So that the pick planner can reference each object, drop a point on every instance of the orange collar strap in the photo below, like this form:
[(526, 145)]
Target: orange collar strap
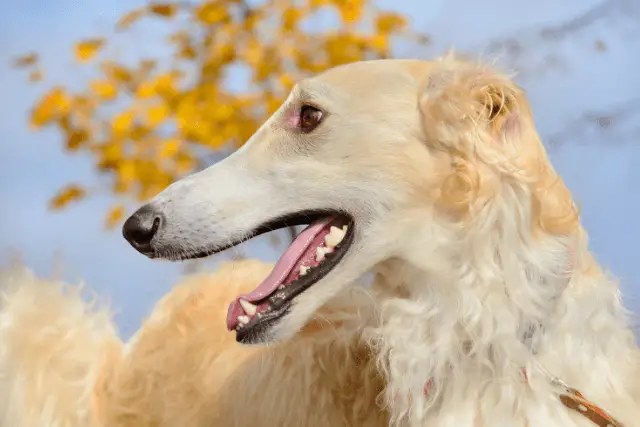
[(574, 400)]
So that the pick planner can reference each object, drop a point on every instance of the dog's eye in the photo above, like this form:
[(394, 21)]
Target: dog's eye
[(310, 118)]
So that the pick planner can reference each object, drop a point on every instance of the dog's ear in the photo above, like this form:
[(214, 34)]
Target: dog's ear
[(483, 120)]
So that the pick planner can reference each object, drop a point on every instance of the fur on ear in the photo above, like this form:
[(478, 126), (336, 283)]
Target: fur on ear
[(483, 121)]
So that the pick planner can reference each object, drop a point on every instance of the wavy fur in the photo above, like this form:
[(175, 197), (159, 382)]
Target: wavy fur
[(62, 365), (481, 268)]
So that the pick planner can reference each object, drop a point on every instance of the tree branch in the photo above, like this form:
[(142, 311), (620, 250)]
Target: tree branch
[(617, 124)]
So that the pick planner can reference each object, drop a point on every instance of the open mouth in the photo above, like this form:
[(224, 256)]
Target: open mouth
[(313, 253)]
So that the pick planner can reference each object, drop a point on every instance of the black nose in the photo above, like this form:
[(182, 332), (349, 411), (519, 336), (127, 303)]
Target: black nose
[(140, 228)]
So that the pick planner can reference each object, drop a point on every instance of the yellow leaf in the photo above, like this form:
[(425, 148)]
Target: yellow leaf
[(35, 76), (157, 114), (110, 155), (253, 52), (166, 10), (146, 89), (66, 195), (121, 123), (170, 147), (140, 132), (104, 89), (112, 151), (287, 81), (114, 215), (163, 84), (351, 10), (290, 18), (127, 172), (212, 13), (87, 49), (116, 72), (380, 42), (223, 112), (389, 22), (25, 60), (130, 18), (251, 20), (53, 104), (184, 163), (76, 138), (319, 3), (187, 52), (273, 103)]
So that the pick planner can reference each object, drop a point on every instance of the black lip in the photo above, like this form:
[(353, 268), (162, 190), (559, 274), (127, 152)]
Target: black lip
[(280, 302), (255, 332), (277, 223)]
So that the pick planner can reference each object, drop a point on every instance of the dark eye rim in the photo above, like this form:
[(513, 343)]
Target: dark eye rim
[(320, 120)]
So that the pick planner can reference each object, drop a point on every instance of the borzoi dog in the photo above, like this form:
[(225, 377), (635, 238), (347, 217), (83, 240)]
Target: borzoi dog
[(489, 308), (432, 173)]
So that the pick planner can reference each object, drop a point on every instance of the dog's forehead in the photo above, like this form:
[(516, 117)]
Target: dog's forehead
[(365, 77)]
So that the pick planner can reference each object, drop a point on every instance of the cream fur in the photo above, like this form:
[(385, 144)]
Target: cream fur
[(481, 268), (62, 366)]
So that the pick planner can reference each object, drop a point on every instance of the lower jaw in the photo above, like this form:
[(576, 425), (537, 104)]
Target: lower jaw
[(259, 332), (278, 305)]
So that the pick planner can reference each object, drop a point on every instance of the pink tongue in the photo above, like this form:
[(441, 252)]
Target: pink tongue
[(280, 272)]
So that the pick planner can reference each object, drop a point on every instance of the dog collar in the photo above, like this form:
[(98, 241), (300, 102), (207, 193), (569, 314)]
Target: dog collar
[(572, 399), (569, 396)]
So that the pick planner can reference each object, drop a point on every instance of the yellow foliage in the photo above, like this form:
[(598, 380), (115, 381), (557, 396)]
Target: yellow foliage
[(121, 123), (168, 121), (69, 194), (185, 163), (253, 52), (390, 22), (290, 18), (380, 42), (162, 85), (130, 18), (146, 89), (54, 103), (166, 10), (103, 89), (170, 147), (35, 76), (157, 114), (319, 3), (351, 10), (117, 73), (287, 81), (127, 172), (212, 12), (114, 215), (87, 49), (76, 138), (26, 60)]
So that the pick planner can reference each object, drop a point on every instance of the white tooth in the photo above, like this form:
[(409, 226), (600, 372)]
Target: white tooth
[(321, 251), (303, 270), (281, 287), (248, 308), (334, 237), (243, 320)]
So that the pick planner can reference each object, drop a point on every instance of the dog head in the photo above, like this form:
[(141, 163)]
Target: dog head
[(384, 159)]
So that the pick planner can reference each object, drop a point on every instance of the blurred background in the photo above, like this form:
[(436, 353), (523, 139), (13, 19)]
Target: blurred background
[(106, 103)]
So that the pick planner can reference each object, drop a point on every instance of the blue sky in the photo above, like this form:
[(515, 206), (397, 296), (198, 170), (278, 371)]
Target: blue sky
[(568, 82)]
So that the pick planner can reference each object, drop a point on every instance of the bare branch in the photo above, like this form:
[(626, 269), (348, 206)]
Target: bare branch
[(619, 124), (534, 50)]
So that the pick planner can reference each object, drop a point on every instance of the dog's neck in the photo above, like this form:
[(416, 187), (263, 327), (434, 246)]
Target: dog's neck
[(479, 314)]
